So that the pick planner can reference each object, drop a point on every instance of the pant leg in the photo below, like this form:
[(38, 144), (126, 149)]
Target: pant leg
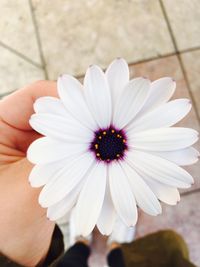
[(76, 256), (165, 248), (115, 258)]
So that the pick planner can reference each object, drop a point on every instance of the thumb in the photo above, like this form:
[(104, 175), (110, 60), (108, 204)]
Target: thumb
[(17, 108)]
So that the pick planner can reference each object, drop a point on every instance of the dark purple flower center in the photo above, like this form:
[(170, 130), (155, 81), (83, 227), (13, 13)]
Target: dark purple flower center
[(109, 144)]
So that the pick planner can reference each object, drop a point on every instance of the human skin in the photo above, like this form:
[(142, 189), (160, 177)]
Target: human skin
[(25, 232)]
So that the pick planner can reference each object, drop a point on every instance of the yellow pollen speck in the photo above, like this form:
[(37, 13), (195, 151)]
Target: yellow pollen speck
[(124, 140), (118, 155), (112, 131), (96, 146), (100, 137), (104, 133), (98, 155)]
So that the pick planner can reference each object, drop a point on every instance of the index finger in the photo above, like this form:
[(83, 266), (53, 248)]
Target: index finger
[(16, 108)]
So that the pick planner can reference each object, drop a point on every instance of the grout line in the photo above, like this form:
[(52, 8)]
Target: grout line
[(80, 76), (194, 191), (20, 55), (163, 56), (189, 87), (178, 53), (38, 39), (168, 25), (151, 59), (192, 49)]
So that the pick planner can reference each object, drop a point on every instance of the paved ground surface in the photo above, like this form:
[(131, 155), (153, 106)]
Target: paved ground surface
[(42, 39)]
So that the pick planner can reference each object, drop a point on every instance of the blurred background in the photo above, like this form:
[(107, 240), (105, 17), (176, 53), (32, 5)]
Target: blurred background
[(41, 39)]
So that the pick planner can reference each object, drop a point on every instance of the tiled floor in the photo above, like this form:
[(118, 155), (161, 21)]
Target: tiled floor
[(42, 39)]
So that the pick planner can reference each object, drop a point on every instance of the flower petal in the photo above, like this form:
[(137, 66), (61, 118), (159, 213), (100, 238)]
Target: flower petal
[(90, 200), (117, 75), (160, 92), (163, 139), (61, 208), (65, 180), (98, 96), (131, 101), (159, 169), (70, 91), (122, 197), (49, 104), (108, 214), (166, 194), (45, 150), (165, 115), (43, 173), (144, 196), (61, 128), (182, 157)]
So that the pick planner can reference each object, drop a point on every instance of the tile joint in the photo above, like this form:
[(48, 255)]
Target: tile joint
[(190, 192), (178, 53), (20, 55), (38, 39)]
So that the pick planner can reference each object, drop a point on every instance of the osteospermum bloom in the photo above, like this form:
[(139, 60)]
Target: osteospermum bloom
[(109, 147)]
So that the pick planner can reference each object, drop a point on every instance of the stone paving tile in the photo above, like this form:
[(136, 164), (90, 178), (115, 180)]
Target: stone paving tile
[(17, 29), (191, 61), (75, 34), (15, 72), (98, 255), (169, 66), (183, 218), (184, 19)]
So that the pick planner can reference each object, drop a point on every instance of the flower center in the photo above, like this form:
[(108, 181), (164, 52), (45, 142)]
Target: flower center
[(109, 144)]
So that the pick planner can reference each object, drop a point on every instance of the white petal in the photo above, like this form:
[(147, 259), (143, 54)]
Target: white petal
[(70, 91), (90, 200), (65, 180), (108, 214), (122, 233), (182, 157), (61, 128), (61, 208), (160, 92), (98, 96), (123, 199), (163, 139), (49, 104), (165, 115), (165, 193), (43, 173), (159, 169), (144, 196), (130, 101), (62, 223), (45, 150), (117, 75)]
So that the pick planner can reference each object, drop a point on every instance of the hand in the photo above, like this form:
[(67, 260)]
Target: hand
[(25, 232)]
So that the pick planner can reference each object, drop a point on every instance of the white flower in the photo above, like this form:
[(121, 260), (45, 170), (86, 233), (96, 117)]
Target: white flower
[(109, 147)]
